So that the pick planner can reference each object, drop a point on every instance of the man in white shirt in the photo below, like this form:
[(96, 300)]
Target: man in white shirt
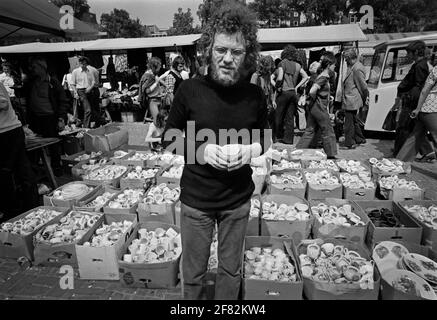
[(7, 80), (85, 83)]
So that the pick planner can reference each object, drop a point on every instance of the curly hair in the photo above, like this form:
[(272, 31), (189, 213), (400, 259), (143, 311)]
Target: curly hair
[(232, 17), (290, 53), (328, 59), (266, 65), (154, 64)]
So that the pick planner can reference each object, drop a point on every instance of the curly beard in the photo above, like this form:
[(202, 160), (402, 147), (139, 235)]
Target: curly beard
[(237, 76)]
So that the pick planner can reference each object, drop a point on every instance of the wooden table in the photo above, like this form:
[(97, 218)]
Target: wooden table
[(39, 144)]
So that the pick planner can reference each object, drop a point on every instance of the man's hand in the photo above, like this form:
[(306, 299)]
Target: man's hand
[(414, 113), (245, 155), (215, 157), (61, 124), (75, 95)]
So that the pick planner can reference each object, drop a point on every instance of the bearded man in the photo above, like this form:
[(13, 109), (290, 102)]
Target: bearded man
[(216, 186)]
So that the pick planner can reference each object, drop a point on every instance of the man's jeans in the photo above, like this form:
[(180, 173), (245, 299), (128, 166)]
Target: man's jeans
[(284, 116), (197, 231), (90, 104)]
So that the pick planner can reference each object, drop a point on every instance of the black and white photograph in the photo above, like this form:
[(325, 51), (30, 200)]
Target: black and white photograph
[(242, 151)]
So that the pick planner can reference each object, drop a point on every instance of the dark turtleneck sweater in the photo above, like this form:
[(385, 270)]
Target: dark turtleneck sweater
[(214, 107)]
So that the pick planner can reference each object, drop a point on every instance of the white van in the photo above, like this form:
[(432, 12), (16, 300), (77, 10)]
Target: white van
[(389, 66)]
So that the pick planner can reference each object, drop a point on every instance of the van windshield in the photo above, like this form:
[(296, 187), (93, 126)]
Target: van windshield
[(375, 70)]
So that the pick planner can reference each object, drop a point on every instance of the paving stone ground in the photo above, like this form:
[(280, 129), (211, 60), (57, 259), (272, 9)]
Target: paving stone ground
[(42, 283)]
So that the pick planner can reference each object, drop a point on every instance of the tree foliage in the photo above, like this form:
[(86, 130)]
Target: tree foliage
[(79, 6), (118, 24), (182, 23)]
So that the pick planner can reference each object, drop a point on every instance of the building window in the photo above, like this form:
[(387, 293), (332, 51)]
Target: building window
[(296, 14)]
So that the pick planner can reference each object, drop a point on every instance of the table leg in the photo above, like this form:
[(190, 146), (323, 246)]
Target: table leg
[(48, 168)]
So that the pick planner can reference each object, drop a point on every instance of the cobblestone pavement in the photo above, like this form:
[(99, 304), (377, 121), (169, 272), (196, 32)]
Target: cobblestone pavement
[(43, 282)]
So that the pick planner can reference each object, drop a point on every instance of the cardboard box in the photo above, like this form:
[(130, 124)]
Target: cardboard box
[(378, 173), (177, 213), (51, 202), (71, 144), (412, 232), (164, 212), (59, 254), (308, 154), (296, 230), (167, 180), (315, 290), (131, 211), (358, 194), (137, 183), (77, 171), (387, 290), (288, 190), (352, 233), (398, 194), (272, 290), (113, 182), (81, 206), (429, 235), (106, 138), (101, 263), (316, 192), (14, 245), (148, 275)]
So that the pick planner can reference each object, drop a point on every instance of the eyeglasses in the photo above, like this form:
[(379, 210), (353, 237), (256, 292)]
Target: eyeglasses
[(236, 53)]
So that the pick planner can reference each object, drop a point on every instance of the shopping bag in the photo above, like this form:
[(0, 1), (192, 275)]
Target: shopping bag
[(390, 121)]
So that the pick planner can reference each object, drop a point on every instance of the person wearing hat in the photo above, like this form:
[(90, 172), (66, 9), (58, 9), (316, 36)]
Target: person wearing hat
[(409, 89), (85, 82), (355, 97), (47, 106)]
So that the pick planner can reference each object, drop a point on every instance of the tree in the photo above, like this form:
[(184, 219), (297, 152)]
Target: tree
[(206, 9), (118, 24), (182, 23), (79, 6)]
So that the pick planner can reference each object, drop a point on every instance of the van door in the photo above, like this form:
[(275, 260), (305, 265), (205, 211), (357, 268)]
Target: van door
[(383, 83)]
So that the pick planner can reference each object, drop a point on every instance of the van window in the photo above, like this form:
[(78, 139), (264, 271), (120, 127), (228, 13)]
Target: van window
[(375, 70), (396, 66)]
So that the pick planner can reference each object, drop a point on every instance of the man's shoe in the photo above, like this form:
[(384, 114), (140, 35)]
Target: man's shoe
[(332, 158), (348, 148), (362, 142)]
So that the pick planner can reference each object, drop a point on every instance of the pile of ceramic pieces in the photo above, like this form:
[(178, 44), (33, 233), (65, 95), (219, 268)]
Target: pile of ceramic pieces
[(288, 179), (168, 157), (72, 191), (155, 246), (336, 264), (127, 199), (70, 228), (285, 164), (268, 264), (107, 235), (119, 154), (173, 172), (106, 173), (361, 180), (213, 255), (100, 200), (30, 222), (338, 215), (393, 182), (276, 212), (138, 156), (424, 214), (86, 156), (140, 173), (162, 194), (351, 166), (283, 154), (178, 160), (323, 164), (323, 178), (255, 206), (386, 165), (299, 153), (92, 165)]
